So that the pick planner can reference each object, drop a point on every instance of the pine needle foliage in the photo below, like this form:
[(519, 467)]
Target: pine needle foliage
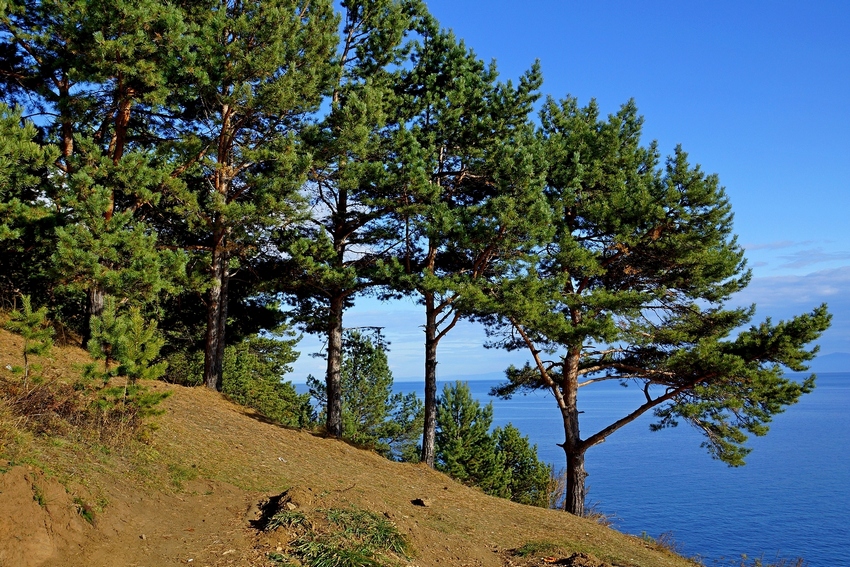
[(632, 286), (36, 331), (501, 463)]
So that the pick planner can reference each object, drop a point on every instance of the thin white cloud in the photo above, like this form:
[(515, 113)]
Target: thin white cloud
[(783, 297), (812, 256), (776, 245)]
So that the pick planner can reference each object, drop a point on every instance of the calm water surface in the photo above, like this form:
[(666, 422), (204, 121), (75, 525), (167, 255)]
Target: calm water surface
[(792, 498)]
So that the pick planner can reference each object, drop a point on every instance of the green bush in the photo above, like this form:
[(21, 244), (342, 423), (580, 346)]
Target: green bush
[(372, 416), (502, 463), (529, 480), (465, 449), (252, 377)]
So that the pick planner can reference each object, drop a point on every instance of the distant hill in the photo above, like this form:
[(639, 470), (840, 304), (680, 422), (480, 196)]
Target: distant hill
[(833, 362)]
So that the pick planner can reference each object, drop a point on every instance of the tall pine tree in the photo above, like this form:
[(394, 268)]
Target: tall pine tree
[(262, 68), (469, 187), (347, 233)]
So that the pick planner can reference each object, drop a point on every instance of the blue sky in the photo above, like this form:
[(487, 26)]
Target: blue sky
[(757, 92)]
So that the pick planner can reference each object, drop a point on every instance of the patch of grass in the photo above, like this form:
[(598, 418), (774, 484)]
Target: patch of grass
[(180, 474), (279, 559), (372, 529), (536, 548), (287, 519), (347, 537), (84, 510), (38, 495), (334, 552)]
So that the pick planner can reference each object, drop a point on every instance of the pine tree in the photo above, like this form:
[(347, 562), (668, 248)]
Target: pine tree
[(26, 221), (631, 287), (372, 415), (253, 376), (469, 190), (96, 72), (261, 69), (465, 450), (36, 331), (127, 344), (346, 235), (529, 477)]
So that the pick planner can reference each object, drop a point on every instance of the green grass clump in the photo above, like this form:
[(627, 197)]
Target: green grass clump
[(351, 537), (287, 519), (334, 552), (84, 510), (536, 548), (374, 530), (38, 495)]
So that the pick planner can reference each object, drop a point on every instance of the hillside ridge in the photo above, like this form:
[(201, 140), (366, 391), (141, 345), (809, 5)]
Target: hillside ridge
[(190, 492)]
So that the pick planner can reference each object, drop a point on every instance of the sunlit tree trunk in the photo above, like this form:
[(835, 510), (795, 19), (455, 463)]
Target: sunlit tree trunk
[(430, 428), (332, 379)]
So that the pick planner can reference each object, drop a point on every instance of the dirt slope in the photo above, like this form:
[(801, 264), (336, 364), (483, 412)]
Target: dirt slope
[(189, 495)]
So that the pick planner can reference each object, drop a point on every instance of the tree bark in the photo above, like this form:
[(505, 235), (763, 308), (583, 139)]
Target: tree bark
[(573, 446), (576, 490), (333, 424), (430, 428), (95, 309), (216, 316)]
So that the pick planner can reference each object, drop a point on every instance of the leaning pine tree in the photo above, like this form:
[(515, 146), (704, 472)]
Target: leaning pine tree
[(632, 288)]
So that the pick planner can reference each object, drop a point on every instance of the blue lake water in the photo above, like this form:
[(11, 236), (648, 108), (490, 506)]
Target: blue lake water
[(792, 499)]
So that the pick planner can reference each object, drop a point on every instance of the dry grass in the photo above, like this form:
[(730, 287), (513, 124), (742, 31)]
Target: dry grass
[(209, 459)]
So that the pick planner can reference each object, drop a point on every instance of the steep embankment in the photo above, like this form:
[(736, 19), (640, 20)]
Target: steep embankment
[(189, 495)]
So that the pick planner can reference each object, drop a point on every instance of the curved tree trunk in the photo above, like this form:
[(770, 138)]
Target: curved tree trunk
[(430, 429), (573, 446)]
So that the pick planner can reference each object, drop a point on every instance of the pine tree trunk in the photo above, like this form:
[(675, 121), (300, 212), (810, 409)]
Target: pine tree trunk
[(576, 490), (216, 317), (573, 446), (95, 310), (430, 429), (333, 425)]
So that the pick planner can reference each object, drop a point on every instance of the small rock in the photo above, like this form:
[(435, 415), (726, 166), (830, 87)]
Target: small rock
[(143, 537), (290, 506)]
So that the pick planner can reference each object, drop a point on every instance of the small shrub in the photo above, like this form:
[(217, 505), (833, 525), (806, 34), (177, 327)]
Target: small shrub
[(36, 331)]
